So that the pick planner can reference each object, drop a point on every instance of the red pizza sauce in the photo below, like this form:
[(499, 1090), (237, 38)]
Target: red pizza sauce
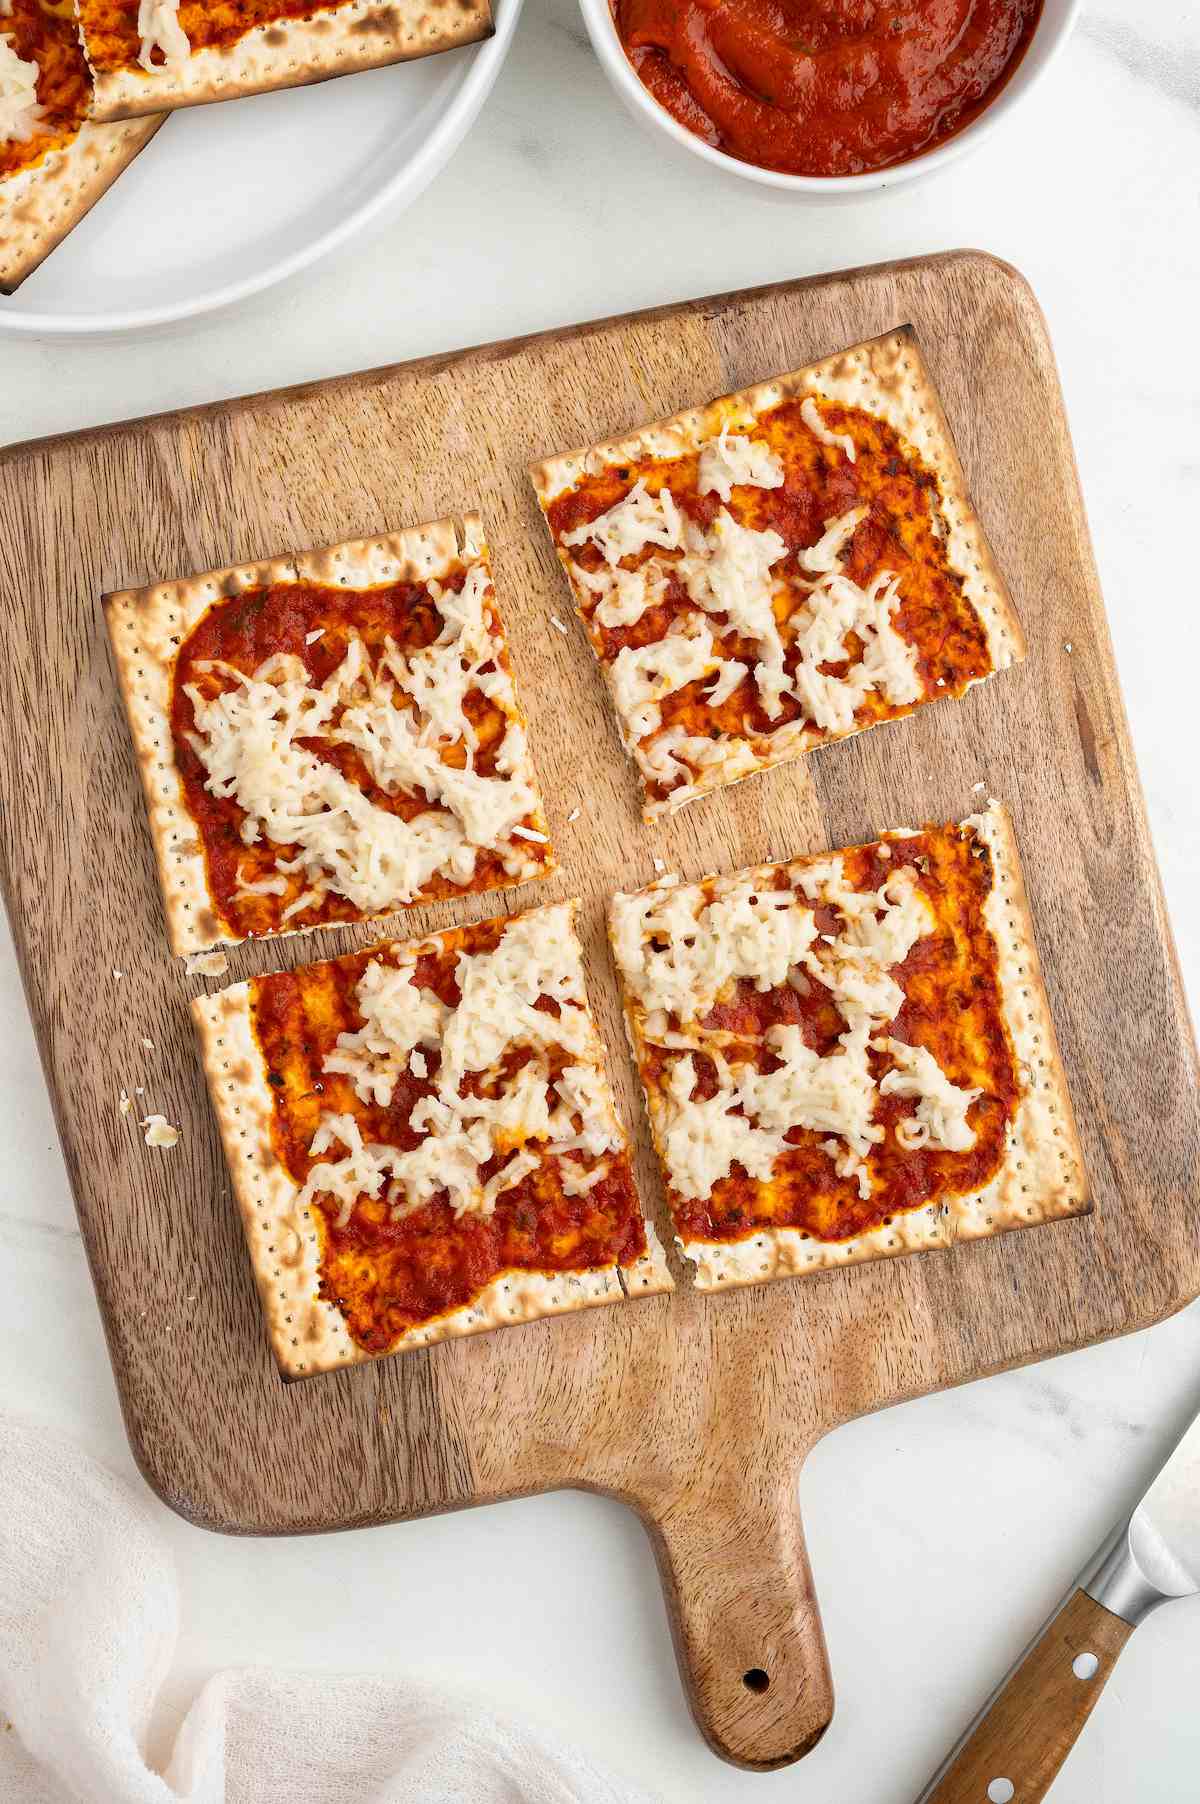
[(389, 1276), (244, 632), (45, 36), (825, 87), (952, 1007)]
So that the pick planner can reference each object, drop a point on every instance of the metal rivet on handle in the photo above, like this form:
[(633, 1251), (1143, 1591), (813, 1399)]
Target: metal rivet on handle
[(1000, 1791), (1084, 1666)]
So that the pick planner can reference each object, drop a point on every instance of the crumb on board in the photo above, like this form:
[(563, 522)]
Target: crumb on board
[(117, 974), (660, 865), (1068, 646), (206, 964), (556, 622), (126, 1102), (148, 1044), (159, 1131), (976, 787), (574, 815)]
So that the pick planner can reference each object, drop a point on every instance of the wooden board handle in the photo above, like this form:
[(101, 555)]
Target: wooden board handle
[(1032, 1724), (747, 1629)]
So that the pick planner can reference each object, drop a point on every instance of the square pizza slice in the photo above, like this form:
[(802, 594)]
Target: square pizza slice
[(783, 567), (423, 1142), (850, 1055), (149, 55), (328, 737), (55, 161)]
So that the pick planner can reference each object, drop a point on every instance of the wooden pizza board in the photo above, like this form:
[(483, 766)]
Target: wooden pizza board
[(698, 1411)]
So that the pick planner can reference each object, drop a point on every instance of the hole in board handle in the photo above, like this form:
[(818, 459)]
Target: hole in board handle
[(756, 1679)]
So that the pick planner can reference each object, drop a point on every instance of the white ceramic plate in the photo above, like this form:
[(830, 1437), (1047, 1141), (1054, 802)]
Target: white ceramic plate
[(228, 200)]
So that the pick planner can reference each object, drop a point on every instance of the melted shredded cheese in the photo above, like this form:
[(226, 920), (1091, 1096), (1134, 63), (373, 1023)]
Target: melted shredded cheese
[(159, 29), (21, 113), (680, 952), (637, 520), (941, 1118), (727, 462), (399, 717), (502, 1111), (810, 414), (737, 577)]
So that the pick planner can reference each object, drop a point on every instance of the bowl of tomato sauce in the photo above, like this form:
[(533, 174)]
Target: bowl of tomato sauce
[(826, 96)]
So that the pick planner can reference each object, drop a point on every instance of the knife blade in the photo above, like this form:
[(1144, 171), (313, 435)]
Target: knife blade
[(1155, 1555), (1017, 1743)]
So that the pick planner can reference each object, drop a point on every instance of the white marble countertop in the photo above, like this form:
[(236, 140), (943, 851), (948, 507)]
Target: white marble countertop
[(942, 1532)]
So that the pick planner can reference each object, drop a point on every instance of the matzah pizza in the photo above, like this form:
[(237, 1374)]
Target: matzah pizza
[(149, 55), (55, 161), (781, 568), (328, 737), (423, 1142), (849, 1055)]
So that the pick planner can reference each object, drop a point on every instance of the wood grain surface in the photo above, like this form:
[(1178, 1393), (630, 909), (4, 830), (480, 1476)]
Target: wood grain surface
[(1034, 1722), (698, 1411)]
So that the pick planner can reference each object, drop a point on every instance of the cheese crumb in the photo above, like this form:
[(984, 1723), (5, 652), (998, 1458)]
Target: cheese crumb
[(148, 1044), (117, 973), (555, 621), (317, 633), (1068, 646), (976, 787), (206, 964), (159, 1131), (660, 865), (574, 815), (531, 833), (126, 1102)]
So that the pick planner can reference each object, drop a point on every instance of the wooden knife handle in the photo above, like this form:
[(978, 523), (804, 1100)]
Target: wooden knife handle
[(747, 1630), (1033, 1721)]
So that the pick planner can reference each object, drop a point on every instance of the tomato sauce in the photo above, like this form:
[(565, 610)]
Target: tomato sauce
[(48, 37), (952, 1007), (245, 631), (389, 1276), (903, 533), (825, 87)]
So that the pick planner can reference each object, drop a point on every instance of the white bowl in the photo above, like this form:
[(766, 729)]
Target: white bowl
[(1053, 29), (229, 200)]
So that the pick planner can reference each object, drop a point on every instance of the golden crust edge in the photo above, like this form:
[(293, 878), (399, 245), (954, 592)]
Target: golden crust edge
[(1046, 1134), (88, 166), (337, 41), (243, 1104), (143, 625)]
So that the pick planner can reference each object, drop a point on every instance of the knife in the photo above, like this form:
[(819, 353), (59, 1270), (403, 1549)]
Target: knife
[(1029, 1725)]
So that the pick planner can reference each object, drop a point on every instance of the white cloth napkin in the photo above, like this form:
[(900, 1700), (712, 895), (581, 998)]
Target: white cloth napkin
[(89, 1612)]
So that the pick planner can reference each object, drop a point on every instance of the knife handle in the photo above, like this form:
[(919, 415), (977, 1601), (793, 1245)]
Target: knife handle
[(1031, 1724)]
